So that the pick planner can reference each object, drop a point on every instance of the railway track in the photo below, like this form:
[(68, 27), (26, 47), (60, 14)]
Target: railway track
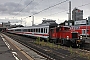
[(62, 53)]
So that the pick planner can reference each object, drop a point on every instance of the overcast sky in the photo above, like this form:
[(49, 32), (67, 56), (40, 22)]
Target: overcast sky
[(16, 9)]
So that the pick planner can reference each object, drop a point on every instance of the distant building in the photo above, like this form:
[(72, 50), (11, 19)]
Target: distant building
[(69, 23), (48, 21), (0, 25), (81, 22), (89, 20), (77, 14), (6, 24)]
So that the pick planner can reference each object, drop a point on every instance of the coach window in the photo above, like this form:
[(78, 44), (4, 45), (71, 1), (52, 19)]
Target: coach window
[(41, 30), (25, 30), (28, 30), (47, 30), (33, 30), (44, 30), (36, 30), (18, 30)]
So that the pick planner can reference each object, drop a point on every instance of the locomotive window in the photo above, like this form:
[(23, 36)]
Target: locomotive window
[(41, 30)]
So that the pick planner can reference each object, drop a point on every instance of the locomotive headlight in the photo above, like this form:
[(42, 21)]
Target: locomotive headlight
[(67, 37), (80, 37)]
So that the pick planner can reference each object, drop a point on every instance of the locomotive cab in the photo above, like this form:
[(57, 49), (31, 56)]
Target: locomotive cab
[(65, 36)]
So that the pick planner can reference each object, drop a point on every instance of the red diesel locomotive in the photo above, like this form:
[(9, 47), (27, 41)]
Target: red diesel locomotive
[(65, 36)]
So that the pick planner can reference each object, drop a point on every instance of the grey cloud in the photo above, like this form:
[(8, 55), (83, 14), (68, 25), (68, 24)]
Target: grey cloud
[(9, 7), (31, 2), (13, 8)]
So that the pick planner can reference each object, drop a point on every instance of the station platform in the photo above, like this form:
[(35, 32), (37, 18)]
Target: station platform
[(21, 50), (5, 53)]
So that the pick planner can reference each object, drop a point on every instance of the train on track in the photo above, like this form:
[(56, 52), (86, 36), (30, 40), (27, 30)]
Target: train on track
[(57, 34), (83, 30)]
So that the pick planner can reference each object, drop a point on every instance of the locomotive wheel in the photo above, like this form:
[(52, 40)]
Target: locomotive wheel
[(68, 43)]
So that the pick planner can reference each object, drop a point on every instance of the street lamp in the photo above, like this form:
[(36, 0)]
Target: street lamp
[(32, 20)]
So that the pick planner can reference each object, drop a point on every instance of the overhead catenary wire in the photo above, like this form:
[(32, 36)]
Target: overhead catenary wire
[(84, 5), (18, 4), (61, 11), (24, 7), (67, 10), (35, 5), (50, 7), (57, 12)]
